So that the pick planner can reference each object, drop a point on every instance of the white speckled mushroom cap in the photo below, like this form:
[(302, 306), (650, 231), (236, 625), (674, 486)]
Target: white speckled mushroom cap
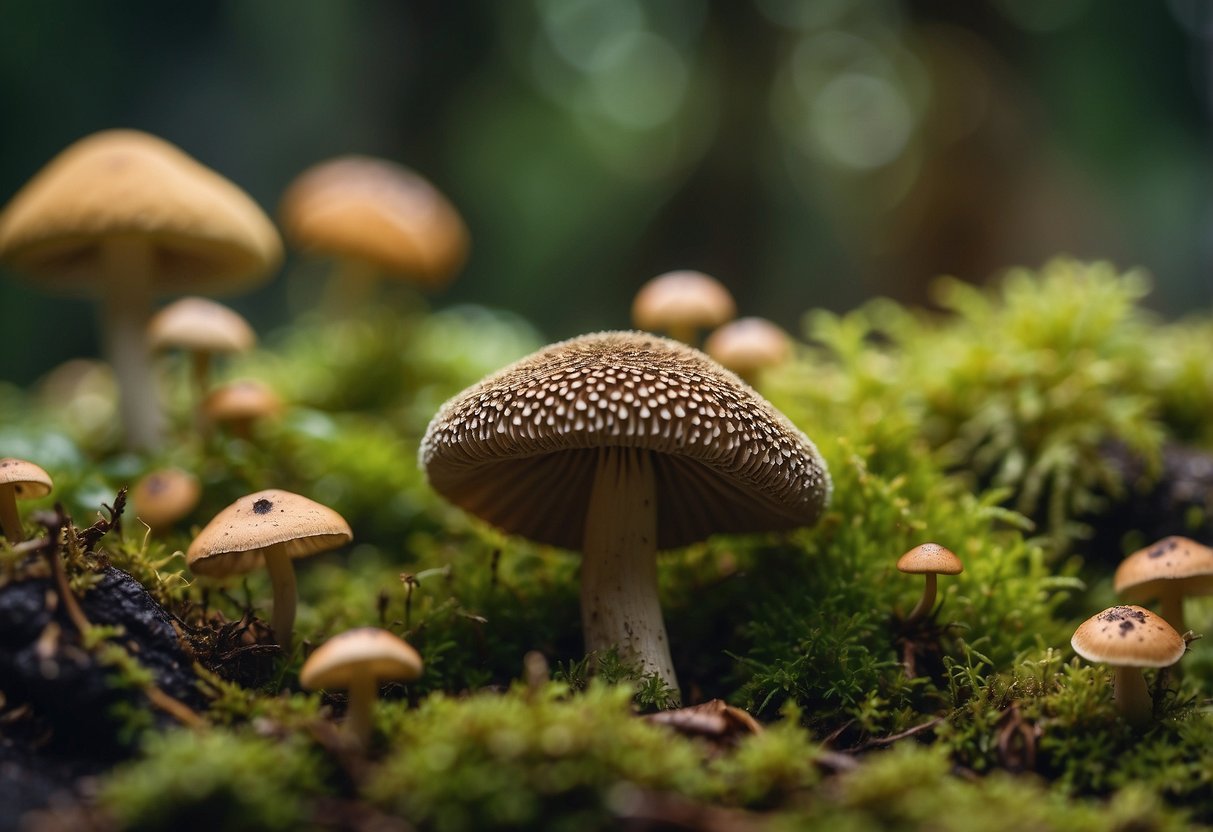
[(519, 449), (1176, 562), (930, 558), (1128, 636), (235, 541), (366, 650), (28, 481)]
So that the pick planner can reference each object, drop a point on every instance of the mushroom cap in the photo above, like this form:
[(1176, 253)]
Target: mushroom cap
[(930, 558), (1173, 563), (164, 496), (1128, 636), (682, 299), (207, 233), (366, 649), (28, 481), (234, 542), (747, 345), (239, 400), (200, 325), (520, 448), (376, 211)]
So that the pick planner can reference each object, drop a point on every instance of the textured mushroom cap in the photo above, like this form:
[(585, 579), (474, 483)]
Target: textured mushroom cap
[(682, 299), (163, 497), (200, 325), (235, 541), (1128, 637), (376, 211), (238, 400), (748, 345), (930, 558), (206, 232), (1173, 563), (28, 481), (367, 649), (520, 448)]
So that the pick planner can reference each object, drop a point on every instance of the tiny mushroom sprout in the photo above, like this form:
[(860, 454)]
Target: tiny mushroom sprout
[(1129, 638), (123, 216), (620, 444), (269, 528), (358, 661), (239, 405), (928, 560), (19, 480), (164, 496), (203, 328), (748, 346), (681, 303), (1170, 570)]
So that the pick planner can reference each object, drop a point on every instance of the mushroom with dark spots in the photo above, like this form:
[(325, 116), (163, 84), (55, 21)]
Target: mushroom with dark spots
[(1170, 570)]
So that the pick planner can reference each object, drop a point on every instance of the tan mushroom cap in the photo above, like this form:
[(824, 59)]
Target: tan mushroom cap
[(163, 497), (234, 542), (1173, 562), (682, 299), (748, 345), (28, 481), (520, 448), (930, 558), (379, 212), (207, 233), (365, 650), (1128, 636), (241, 400), (200, 325)]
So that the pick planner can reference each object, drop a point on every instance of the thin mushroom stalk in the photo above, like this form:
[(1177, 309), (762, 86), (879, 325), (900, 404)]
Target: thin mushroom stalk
[(620, 607), (362, 692), (282, 582), (10, 520), (927, 601), (1171, 608), (1131, 696), (125, 311)]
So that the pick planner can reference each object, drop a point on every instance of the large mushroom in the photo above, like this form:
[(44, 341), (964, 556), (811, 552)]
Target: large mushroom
[(1170, 570), (620, 444), (123, 216)]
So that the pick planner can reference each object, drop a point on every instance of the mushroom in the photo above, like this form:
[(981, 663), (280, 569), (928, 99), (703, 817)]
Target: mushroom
[(619, 444), (269, 528), (1170, 570), (202, 328), (239, 404), (163, 497), (358, 661), (928, 560), (1129, 638), (748, 346), (19, 480), (681, 303), (376, 217), (121, 216)]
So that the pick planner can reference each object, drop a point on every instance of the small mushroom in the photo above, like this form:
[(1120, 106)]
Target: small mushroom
[(239, 405), (681, 303), (748, 346), (269, 528), (203, 328), (928, 560), (19, 480), (1129, 638), (1170, 570), (163, 497), (358, 661)]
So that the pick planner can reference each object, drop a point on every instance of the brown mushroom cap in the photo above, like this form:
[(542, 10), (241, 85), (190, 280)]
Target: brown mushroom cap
[(1171, 563), (200, 325), (748, 345), (364, 650), (930, 558), (206, 232), (1128, 636), (379, 212), (163, 497), (682, 299), (28, 481), (234, 541), (519, 449), (240, 400)]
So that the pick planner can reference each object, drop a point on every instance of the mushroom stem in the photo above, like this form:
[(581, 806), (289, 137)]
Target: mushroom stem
[(361, 695), (126, 308), (282, 580), (1131, 696), (10, 520), (685, 333), (200, 375), (923, 607), (619, 603), (1172, 609)]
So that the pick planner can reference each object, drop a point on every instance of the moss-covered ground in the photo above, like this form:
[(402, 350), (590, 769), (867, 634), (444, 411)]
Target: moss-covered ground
[(996, 425)]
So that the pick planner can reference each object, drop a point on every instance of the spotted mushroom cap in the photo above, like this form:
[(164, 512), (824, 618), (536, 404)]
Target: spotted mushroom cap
[(1174, 562), (1128, 636), (164, 496), (28, 481), (519, 449), (201, 325), (682, 298), (235, 541), (366, 650), (930, 557)]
